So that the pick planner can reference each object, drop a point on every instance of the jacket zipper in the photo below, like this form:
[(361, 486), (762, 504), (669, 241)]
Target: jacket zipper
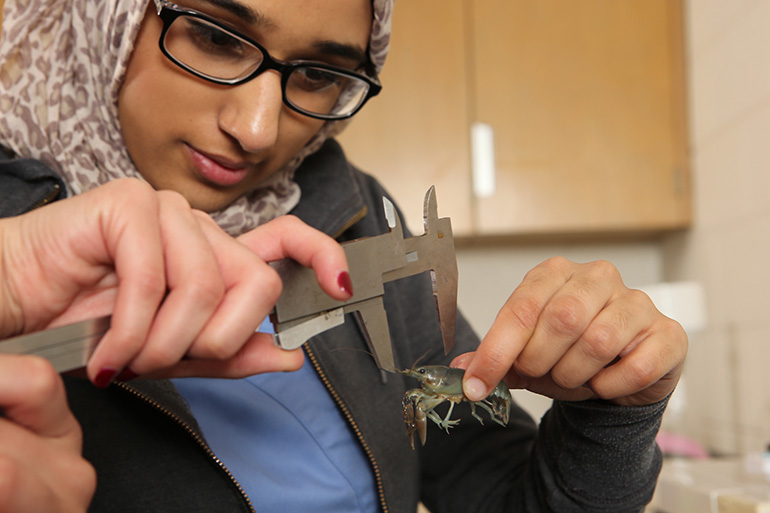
[(49, 198), (351, 221), (193, 434), (349, 417), (337, 399), (187, 428)]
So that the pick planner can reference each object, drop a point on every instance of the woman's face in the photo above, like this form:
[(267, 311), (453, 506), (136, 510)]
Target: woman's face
[(213, 143)]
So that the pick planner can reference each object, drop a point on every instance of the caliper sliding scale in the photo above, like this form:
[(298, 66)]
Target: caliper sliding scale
[(304, 310)]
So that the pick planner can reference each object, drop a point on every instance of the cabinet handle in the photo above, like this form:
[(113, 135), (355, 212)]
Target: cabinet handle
[(483, 160)]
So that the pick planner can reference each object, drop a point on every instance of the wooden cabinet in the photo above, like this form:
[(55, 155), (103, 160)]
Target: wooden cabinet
[(585, 101), (414, 134)]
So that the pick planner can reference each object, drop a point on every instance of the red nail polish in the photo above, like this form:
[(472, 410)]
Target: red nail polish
[(105, 377), (345, 283)]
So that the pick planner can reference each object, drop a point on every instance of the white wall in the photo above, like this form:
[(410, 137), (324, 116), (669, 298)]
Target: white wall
[(728, 249)]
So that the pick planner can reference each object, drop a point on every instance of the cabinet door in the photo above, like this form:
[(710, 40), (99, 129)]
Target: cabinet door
[(414, 134), (586, 102)]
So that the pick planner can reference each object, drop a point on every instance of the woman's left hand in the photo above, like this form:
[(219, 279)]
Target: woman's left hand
[(185, 297), (574, 332), (284, 237)]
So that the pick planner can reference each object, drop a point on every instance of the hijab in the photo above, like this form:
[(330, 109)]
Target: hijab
[(62, 63)]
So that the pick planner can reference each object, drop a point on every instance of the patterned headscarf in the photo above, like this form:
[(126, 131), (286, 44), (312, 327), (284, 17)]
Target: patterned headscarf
[(62, 63)]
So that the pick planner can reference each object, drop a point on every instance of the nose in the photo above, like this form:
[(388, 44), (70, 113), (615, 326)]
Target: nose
[(252, 111)]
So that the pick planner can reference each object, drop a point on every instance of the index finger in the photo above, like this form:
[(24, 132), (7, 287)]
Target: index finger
[(500, 347), (513, 327), (131, 231), (288, 237)]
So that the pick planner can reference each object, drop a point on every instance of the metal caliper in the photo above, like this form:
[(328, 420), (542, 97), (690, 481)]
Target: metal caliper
[(304, 310)]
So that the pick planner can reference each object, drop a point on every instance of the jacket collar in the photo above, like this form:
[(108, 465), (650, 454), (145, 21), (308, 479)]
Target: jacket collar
[(331, 196), (26, 184)]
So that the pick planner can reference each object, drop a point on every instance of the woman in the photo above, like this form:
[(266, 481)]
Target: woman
[(232, 104)]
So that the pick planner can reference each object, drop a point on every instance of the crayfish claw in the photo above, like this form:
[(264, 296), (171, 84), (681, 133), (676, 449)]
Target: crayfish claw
[(415, 419), (408, 413), (422, 425)]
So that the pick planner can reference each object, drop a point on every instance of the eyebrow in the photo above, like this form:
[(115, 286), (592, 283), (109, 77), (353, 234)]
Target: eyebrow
[(346, 51), (254, 17), (244, 12)]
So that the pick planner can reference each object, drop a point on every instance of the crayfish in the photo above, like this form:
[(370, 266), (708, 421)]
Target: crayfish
[(439, 384)]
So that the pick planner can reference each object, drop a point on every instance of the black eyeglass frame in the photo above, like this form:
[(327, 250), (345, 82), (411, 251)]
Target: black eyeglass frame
[(169, 12)]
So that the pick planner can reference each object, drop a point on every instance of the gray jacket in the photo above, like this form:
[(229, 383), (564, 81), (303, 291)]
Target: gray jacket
[(584, 457)]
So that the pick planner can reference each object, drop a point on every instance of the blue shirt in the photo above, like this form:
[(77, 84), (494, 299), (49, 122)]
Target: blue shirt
[(284, 440)]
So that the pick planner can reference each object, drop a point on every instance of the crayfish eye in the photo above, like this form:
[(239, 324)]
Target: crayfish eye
[(421, 371)]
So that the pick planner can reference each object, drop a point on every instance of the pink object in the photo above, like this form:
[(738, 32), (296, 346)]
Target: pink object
[(673, 444)]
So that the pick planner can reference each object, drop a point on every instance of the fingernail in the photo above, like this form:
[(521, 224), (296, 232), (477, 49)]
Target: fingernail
[(127, 375), (475, 389), (345, 283), (105, 377), (461, 362)]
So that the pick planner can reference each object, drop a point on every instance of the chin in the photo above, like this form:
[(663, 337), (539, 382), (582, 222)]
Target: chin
[(210, 206), (206, 198)]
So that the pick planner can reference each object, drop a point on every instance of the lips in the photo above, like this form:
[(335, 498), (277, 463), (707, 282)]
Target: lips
[(218, 170)]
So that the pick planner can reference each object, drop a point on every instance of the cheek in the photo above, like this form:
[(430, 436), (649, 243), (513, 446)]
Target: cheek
[(294, 132), (132, 109), (155, 105), (154, 95), (148, 102), (137, 101), (143, 123)]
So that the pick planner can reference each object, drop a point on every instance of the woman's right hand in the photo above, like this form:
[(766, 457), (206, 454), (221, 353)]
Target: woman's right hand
[(185, 297)]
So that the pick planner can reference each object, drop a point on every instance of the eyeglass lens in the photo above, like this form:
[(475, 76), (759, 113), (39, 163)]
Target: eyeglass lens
[(218, 54)]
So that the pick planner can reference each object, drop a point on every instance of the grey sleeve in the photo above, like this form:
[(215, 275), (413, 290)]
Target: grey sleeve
[(597, 456), (587, 456)]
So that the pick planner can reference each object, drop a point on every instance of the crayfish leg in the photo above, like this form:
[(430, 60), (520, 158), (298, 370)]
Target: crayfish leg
[(446, 423), (493, 414), (476, 415)]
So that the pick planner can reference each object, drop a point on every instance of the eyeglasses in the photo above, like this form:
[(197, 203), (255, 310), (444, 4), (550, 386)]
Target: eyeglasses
[(211, 50)]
